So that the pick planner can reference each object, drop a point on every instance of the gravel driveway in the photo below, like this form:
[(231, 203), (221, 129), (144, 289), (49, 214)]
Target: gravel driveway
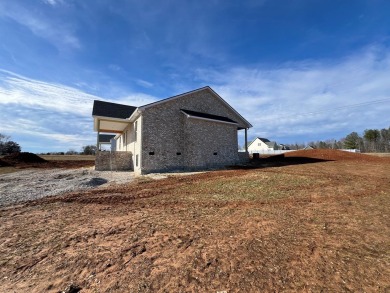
[(33, 184)]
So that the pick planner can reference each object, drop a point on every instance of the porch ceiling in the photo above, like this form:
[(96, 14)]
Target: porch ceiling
[(110, 125)]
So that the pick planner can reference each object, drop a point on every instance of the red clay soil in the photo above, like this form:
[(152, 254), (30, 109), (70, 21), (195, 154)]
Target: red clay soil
[(334, 155), (312, 227)]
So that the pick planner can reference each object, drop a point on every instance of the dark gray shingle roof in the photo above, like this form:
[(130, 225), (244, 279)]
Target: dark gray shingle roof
[(106, 138), (264, 139), (107, 109), (208, 116)]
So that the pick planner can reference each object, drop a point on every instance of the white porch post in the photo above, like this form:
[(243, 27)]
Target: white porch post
[(97, 139), (246, 139)]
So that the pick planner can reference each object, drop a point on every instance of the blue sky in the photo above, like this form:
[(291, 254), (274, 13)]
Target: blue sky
[(298, 70)]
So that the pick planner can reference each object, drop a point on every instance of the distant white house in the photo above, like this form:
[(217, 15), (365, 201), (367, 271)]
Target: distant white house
[(261, 145)]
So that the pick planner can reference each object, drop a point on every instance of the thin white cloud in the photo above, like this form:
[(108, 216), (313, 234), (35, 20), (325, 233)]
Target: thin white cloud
[(311, 99), (19, 90), (58, 116), (144, 83), (53, 2), (58, 33), (114, 67)]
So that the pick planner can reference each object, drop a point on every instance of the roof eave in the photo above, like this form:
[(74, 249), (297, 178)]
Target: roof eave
[(208, 119), (97, 118), (246, 123), (137, 112)]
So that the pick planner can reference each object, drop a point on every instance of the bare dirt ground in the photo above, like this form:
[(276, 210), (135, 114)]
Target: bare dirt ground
[(311, 221)]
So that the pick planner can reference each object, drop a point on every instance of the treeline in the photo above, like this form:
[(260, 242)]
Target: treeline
[(372, 140), (327, 144), (85, 150), (8, 146)]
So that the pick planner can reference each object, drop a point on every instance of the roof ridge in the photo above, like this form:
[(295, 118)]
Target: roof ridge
[(176, 96)]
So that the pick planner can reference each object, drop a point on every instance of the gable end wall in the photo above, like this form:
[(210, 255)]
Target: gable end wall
[(167, 131)]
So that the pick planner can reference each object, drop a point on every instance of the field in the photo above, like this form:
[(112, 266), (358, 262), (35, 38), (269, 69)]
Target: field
[(11, 165), (312, 221), (68, 157)]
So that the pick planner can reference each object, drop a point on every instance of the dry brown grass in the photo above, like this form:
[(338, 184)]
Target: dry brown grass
[(316, 227), (379, 154), (6, 170), (68, 157)]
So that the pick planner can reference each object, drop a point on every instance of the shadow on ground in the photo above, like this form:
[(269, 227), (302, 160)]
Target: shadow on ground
[(278, 161)]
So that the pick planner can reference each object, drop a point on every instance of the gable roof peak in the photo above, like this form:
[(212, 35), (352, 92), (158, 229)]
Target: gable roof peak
[(205, 88)]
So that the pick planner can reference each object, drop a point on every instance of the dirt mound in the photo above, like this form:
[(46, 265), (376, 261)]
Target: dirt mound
[(3, 163), (23, 157), (334, 155)]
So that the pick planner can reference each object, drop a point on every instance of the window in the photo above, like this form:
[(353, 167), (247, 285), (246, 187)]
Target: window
[(136, 160), (124, 139), (215, 153), (151, 153), (178, 153), (259, 144)]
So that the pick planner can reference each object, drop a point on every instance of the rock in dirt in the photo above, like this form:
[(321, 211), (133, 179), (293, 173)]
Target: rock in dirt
[(72, 288)]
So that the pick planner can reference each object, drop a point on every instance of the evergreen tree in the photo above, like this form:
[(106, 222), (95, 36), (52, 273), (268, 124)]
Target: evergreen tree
[(372, 137), (352, 141)]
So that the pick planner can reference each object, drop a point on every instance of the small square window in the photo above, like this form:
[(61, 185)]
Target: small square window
[(215, 153), (151, 153), (178, 153)]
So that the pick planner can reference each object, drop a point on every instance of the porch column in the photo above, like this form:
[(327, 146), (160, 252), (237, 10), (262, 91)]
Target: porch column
[(246, 139), (97, 139)]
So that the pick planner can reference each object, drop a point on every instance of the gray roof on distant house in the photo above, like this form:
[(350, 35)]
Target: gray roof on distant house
[(271, 143), (208, 116), (107, 109), (106, 138)]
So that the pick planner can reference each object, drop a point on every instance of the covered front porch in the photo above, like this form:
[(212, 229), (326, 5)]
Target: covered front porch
[(107, 129), (243, 155)]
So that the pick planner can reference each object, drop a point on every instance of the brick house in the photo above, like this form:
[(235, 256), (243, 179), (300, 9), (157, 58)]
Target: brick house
[(191, 131)]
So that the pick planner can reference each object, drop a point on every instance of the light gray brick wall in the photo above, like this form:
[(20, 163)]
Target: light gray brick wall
[(115, 161), (210, 144), (167, 131)]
